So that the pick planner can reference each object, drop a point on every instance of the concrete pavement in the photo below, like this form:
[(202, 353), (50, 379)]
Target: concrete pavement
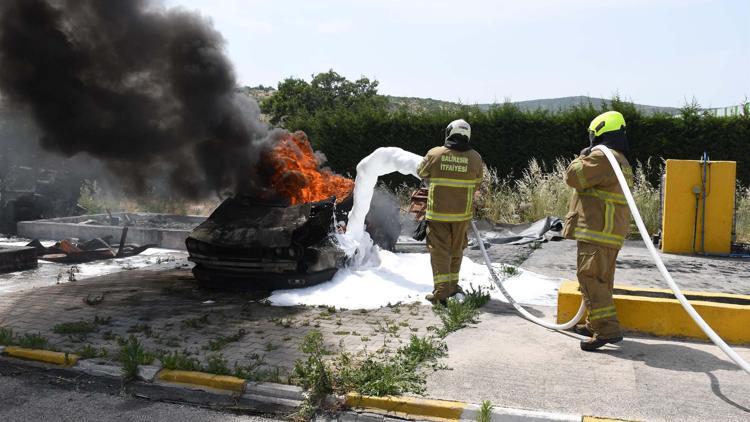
[(513, 362), (636, 268)]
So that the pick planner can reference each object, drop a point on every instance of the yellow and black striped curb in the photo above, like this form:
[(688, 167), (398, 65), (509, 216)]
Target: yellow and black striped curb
[(45, 356), (444, 410), (265, 395), (202, 379), (269, 396)]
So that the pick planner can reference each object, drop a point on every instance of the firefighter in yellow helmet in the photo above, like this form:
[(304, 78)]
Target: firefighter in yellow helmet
[(599, 219), (453, 173)]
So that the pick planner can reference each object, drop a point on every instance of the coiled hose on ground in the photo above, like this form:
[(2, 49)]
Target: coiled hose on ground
[(657, 260)]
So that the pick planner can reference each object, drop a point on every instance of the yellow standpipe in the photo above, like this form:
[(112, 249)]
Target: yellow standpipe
[(698, 211)]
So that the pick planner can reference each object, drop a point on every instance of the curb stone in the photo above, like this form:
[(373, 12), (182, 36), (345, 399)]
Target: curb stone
[(157, 383), (206, 389), (428, 409), (38, 355)]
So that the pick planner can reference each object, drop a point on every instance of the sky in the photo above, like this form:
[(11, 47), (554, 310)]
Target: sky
[(656, 52)]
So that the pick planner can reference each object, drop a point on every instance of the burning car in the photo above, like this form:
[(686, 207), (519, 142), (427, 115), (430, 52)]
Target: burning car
[(285, 239)]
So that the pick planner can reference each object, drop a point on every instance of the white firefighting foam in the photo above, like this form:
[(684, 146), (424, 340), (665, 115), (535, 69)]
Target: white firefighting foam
[(356, 242), (406, 278), (374, 278)]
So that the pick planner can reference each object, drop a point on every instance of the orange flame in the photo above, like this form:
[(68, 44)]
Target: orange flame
[(297, 175)]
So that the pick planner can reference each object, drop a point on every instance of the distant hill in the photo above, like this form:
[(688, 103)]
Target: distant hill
[(557, 104), (550, 104), (414, 104)]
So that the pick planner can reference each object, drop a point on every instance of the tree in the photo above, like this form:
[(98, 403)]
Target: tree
[(326, 91)]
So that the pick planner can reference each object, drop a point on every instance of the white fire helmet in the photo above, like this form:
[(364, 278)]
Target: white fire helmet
[(458, 127)]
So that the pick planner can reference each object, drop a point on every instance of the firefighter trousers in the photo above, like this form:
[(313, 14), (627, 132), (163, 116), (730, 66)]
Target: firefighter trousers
[(446, 242), (596, 276)]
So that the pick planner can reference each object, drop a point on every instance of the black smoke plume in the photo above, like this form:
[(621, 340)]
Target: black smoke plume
[(146, 90)]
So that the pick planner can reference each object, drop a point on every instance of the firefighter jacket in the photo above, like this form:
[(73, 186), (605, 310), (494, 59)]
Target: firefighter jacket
[(453, 176), (598, 211)]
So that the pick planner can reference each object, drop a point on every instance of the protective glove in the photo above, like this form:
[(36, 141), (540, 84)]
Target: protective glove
[(420, 233)]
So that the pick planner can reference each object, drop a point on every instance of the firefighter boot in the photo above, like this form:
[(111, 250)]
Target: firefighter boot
[(596, 342), (439, 295), (583, 330)]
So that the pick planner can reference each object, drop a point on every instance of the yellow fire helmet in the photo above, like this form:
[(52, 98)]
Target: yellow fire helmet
[(607, 122)]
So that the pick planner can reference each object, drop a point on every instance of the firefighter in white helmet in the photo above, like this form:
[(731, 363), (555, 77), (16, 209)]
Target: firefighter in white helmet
[(453, 173)]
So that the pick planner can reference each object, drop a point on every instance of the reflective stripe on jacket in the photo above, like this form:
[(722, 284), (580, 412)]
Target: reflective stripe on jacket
[(453, 176), (598, 211)]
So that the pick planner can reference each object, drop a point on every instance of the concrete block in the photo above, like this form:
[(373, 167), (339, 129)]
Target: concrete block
[(17, 258), (148, 372), (141, 231), (98, 369), (268, 404), (658, 312), (269, 389)]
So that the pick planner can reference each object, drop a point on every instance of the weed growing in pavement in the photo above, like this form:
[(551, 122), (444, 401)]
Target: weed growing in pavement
[(141, 328), (132, 354), (93, 300), (283, 322), (485, 412), (509, 271), (217, 364), (220, 342), (535, 245), (313, 374), (88, 351), (198, 322), (6, 336), (77, 327), (270, 347), (180, 360), (33, 341), (255, 372), (102, 320), (457, 314), (380, 373)]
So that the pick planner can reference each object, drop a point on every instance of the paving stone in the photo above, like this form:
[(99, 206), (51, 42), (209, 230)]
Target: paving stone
[(171, 304)]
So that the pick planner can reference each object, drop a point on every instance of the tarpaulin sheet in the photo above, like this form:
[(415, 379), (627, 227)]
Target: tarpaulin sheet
[(548, 228)]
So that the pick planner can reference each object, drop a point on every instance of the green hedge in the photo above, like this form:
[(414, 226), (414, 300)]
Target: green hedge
[(508, 138)]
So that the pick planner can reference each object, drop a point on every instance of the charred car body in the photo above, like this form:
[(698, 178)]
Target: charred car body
[(249, 244)]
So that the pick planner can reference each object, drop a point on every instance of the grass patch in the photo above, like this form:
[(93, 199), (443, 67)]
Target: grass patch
[(93, 300), (217, 364), (132, 355), (485, 412), (457, 314), (198, 322), (32, 341), (378, 374), (77, 327), (180, 360), (255, 371), (141, 328), (221, 342), (6, 336), (88, 352)]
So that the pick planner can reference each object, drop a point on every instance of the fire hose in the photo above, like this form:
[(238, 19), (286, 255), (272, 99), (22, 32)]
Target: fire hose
[(657, 260)]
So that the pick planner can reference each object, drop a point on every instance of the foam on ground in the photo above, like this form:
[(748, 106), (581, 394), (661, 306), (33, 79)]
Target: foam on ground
[(406, 278), (46, 274)]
